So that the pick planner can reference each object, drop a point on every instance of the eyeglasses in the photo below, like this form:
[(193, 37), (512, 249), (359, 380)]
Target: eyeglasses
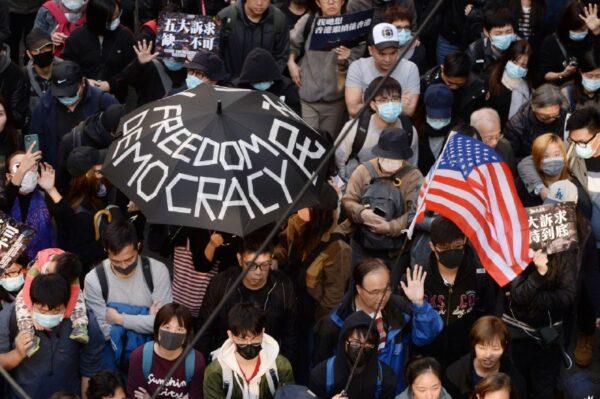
[(442, 248), (354, 343), (493, 139), (383, 100), (547, 118), (260, 266), (584, 143), (379, 291)]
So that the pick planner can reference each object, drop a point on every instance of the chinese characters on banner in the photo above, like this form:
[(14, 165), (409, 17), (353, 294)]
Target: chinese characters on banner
[(552, 227), (14, 237), (345, 30), (182, 35)]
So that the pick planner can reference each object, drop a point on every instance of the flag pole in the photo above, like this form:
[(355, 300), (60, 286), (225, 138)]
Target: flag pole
[(411, 228)]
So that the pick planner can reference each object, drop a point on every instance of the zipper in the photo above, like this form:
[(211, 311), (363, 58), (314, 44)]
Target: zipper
[(448, 305)]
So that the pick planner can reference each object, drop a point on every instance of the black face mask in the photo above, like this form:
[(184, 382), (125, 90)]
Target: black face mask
[(451, 258), (127, 270), (170, 340), (43, 59), (364, 358), (248, 351)]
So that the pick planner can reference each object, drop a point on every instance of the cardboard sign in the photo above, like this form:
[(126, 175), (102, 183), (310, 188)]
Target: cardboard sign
[(14, 237), (346, 30), (553, 228), (182, 35)]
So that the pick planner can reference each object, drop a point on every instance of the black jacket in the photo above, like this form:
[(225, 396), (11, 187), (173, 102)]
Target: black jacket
[(535, 299), (482, 57), (364, 382), (459, 377), (457, 28), (102, 61), (239, 36), (552, 59), (467, 99), (524, 127), (14, 88), (279, 306), (473, 294), (145, 78)]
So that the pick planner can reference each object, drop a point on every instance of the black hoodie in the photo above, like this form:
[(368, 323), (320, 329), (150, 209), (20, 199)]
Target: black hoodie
[(473, 294), (364, 382)]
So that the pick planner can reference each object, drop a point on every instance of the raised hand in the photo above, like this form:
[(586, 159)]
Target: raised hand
[(414, 289), (47, 177), (590, 17), (144, 53)]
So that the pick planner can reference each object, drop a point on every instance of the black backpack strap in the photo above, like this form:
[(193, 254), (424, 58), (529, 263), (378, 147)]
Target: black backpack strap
[(361, 134), (77, 135), (147, 273), (407, 126), (561, 48), (13, 330), (101, 273)]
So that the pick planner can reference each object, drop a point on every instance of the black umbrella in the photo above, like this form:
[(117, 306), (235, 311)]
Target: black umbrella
[(218, 158)]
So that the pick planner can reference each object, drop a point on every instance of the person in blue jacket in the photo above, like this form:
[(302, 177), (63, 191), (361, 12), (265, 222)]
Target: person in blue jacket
[(400, 322)]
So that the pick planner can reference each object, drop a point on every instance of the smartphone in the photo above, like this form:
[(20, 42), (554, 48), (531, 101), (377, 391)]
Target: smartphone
[(32, 138), (379, 212)]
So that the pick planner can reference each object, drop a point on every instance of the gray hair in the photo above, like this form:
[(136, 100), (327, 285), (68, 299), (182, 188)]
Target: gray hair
[(547, 95), (484, 115)]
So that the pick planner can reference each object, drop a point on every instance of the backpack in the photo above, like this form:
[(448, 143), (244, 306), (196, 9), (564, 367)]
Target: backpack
[(230, 15), (330, 379), (148, 355), (227, 373), (146, 269), (382, 192)]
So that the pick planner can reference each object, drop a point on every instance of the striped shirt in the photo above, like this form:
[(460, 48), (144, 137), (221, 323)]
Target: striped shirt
[(189, 286), (524, 23)]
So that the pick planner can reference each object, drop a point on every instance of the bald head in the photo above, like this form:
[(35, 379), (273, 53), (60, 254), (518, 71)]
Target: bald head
[(487, 123)]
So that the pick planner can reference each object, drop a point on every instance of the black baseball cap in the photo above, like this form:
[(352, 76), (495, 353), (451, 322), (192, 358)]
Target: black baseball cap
[(37, 39), (81, 159), (209, 64), (65, 80)]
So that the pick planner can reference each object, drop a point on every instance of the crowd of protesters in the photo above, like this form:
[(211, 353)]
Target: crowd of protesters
[(341, 302)]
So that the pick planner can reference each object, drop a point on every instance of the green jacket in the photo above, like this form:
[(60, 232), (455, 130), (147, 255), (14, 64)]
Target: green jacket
[(213, 381)]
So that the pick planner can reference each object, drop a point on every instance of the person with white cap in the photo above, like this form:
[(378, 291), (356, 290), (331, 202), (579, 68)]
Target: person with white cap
[(383, 48)]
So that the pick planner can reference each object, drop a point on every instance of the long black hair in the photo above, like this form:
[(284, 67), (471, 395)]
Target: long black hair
[(99, 14)]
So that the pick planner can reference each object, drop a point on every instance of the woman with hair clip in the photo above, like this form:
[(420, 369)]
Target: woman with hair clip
[(496, 386), (74, 214), (583, 90), (508, 84), (103, 47), (150, 363)]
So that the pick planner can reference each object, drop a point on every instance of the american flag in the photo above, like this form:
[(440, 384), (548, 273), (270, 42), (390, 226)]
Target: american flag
[(473, 187)]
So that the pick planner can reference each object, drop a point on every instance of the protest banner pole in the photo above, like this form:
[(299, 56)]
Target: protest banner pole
[(292, 206)]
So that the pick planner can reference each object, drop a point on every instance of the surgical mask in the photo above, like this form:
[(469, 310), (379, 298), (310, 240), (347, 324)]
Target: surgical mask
[(171, 340), (47, 320), (515, 71), (66, 101), (390, 165), (263, 86), (114, 24), (364, 357), (390, 111), (585, 152), (193, 81), (502, 42), (590, 84), (127, 270), (43, 59), (102, 190), (248, 351), (173, 64), (451, 258), (553, 166), (438, 124), (13, 284), (72, 17), (577, 36), (29, 182), (73, 4), (404, 36)]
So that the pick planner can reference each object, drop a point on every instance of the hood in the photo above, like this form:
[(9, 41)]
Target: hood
[(94, 130), (242, 13), (259, 66), (356, 320), (5, 58), (225, 355)]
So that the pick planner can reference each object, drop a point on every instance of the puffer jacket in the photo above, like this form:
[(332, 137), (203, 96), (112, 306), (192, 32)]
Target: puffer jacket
[(405, 323), (524, 127), (239, 36)]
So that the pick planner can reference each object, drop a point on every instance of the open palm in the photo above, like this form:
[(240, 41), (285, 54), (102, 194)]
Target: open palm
[(414, 289)]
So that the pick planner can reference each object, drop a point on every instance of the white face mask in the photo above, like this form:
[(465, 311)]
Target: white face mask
[(29, 182), (390, 165)]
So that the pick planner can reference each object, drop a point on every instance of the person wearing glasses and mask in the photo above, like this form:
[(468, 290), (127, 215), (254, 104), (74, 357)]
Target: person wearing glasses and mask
[(125, 292), (458, 288), (271, 289), (401, 320), (546, 113), (249, 363)]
